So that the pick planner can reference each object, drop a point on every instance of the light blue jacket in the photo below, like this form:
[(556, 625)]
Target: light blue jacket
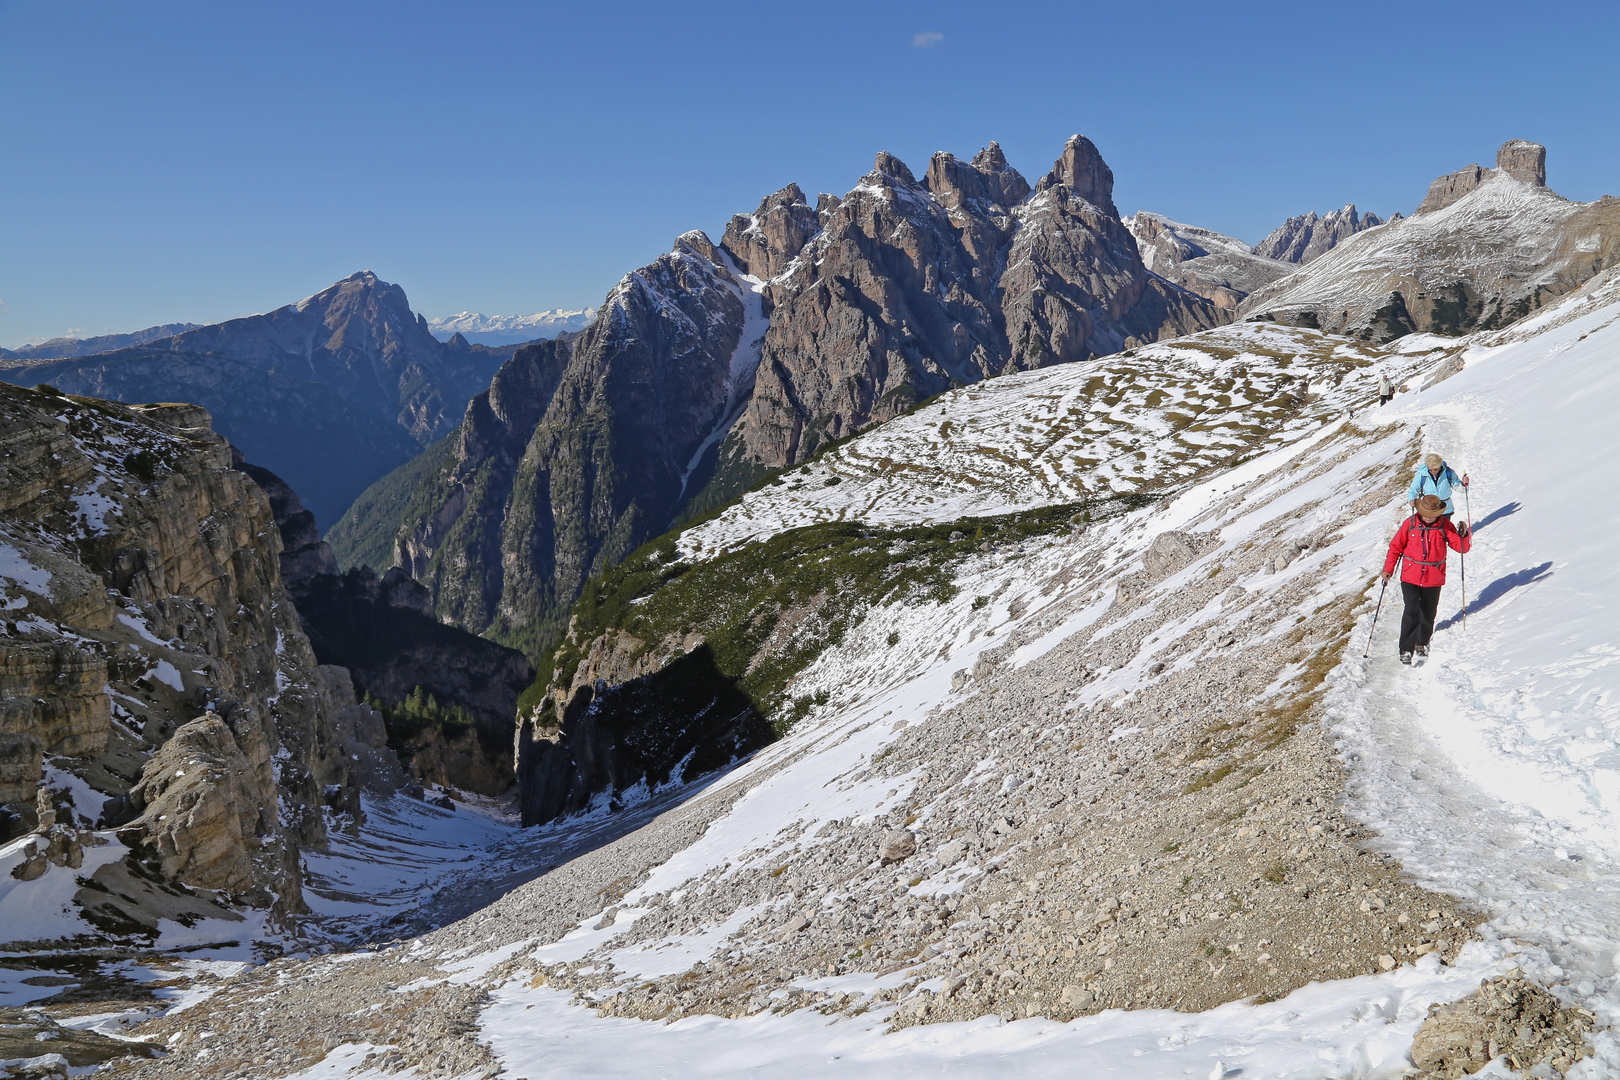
[(1425, 484)]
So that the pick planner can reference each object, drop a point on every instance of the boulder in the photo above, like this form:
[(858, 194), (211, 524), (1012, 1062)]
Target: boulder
[(1169, 552), (897, 845)]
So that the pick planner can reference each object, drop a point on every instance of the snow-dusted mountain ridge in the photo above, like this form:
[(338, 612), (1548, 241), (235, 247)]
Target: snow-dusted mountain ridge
[(1487, 247)]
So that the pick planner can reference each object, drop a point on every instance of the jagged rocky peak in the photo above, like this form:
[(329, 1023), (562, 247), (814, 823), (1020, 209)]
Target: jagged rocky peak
[(1081, 167), (1306, 236), (987, 178), (764, 242), (1518, 158), (891, 167)]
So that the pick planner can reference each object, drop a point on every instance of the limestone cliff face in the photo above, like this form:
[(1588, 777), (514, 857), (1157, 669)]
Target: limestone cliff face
[(631, 717), (578, 452), (141, 590), (379, 631), (716, 364)]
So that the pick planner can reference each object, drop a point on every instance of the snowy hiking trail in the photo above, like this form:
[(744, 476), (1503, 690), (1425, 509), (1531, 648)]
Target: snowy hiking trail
[(1493, 770)]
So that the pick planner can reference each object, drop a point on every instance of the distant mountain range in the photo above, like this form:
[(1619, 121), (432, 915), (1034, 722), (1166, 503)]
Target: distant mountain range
[(1224, 269), (60, 347), (511, 329), (330, 393)]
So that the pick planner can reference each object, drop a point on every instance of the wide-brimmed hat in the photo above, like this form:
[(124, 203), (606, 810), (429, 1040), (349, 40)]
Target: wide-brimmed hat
[(1431, 506)]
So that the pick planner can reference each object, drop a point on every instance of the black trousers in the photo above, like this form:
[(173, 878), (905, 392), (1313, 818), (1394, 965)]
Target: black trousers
[(1417, 622)]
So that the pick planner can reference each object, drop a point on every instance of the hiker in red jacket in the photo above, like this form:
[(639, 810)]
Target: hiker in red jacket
[(1421, 541)]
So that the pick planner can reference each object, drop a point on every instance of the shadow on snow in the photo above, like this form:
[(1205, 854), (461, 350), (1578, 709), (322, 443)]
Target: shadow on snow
[(1499, 588)]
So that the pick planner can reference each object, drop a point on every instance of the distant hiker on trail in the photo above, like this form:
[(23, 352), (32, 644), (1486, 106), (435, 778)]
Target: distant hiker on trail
[(1421, 543), (1385, 391), (1435, 477)]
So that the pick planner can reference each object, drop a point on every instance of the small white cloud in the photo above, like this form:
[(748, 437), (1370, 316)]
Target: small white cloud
[(927, 39)]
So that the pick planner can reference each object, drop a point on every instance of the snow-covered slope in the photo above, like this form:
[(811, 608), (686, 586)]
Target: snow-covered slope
[(1147, 420), (510, 329), (1494, 770)]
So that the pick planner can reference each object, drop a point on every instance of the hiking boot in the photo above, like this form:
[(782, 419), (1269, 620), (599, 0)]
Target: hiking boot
[(1406, 658), (1423, 650)]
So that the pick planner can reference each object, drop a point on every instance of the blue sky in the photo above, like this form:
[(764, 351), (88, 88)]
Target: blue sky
[(166, 162)]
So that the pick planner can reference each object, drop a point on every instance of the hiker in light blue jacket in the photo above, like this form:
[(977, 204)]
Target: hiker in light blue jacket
[(1435, 477)]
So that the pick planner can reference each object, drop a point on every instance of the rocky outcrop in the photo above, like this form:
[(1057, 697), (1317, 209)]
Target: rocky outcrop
[(677, 722), (915, 287), (1486, 247), (202, 804), (765, 242), (854, 311), (1523, 161), (1221, 269), (331, 392), (1301, 239), (141, 589), (1447, 189)]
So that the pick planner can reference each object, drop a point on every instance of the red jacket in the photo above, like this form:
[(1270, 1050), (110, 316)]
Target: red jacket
[(1423, 548)]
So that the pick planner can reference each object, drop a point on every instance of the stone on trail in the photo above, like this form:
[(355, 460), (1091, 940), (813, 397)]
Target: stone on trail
[(1508, 1015)]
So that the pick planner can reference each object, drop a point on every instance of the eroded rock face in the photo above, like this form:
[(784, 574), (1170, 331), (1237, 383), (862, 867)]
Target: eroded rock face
[(670, 722), (914, 287), (1523, 160), (587, 462), (764, 242), (141, 588), (1447, 189), (202, 805)]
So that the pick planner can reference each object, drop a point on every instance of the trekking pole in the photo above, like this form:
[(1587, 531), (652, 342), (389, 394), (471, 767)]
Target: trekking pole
[(1382, 586)]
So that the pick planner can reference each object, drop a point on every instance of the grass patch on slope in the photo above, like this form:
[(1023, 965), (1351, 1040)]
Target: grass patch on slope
[(768, 610)]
